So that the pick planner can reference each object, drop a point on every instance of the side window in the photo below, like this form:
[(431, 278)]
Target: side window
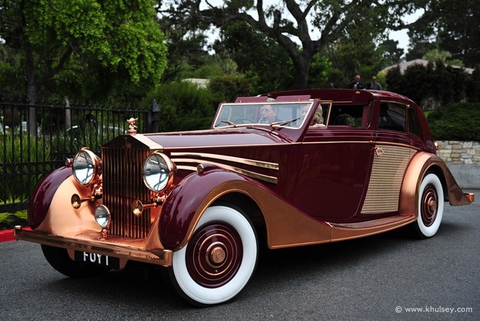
[(392, 117), (413, 125), (356, 116)]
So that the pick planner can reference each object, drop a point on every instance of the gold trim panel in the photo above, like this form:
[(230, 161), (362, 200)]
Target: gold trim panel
[(240, 160), (206, 158), (388, 170)]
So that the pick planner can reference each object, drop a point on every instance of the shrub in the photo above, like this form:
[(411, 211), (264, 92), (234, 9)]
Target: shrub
[(184, 106), (9, 220), (456, 121), (23, 163), (230, 87)]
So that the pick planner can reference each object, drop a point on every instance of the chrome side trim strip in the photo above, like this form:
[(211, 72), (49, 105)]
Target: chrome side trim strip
[(258, 176), (240, 160), (186, 168)]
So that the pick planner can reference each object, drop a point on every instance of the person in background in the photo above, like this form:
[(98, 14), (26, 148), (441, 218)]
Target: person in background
[(356, 84), (375, 85), (317, 120), (269, 114)]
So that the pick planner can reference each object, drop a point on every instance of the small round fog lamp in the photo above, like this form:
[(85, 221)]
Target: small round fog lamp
[(102, 216)]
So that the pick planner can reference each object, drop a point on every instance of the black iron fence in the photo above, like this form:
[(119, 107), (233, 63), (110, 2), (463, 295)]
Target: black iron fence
[(36, 139)]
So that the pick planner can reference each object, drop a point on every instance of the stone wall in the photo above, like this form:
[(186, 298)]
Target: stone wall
[(457, 152), (463, 160)]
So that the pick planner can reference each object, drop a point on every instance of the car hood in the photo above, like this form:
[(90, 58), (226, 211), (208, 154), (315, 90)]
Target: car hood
[(218, 137)]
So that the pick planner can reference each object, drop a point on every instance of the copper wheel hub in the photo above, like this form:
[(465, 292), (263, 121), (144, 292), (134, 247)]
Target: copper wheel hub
[(217, 255), (429, 205), (214, 254)]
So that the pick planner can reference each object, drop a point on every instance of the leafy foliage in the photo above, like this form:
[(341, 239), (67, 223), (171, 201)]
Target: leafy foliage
[(229, 88), (184, 106), (434, 85), (472, 89), (244, 45), (20, 155), (11, 71), (77, 42), (302, 29), (185, 54), (450, 26), (456, 121), (9, 220)]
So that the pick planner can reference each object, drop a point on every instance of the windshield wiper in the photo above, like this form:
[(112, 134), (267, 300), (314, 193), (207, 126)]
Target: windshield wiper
[(284, 122), (229, 123)]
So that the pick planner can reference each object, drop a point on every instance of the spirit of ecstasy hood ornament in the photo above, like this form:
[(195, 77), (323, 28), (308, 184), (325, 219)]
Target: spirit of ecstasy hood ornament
[(132, 128)]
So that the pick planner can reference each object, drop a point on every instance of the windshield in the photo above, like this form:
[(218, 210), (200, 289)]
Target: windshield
[(283, 114)]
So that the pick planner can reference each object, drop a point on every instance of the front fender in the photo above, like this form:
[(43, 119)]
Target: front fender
[(43, 193), (197, 192), (189, 200)]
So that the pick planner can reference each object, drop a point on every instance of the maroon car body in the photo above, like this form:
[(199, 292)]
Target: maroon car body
[(197, 202)]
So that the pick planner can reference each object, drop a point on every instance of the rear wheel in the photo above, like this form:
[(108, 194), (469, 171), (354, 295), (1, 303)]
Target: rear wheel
[(219, 259), (61, 261), (430, 206)]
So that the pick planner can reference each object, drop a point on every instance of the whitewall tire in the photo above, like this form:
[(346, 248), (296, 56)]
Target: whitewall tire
[(219, 259), (430, 206)]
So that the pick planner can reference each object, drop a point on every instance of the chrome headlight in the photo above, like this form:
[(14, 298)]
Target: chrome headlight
[(158, 172), (102, 216), (86, 166)]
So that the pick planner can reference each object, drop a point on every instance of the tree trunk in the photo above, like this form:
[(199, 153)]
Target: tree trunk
[(300, 77), (301, 63)]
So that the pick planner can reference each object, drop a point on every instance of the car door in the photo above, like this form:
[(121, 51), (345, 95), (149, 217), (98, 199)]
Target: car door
[(334, 166)]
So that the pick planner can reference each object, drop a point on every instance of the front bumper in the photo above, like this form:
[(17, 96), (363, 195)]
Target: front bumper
[(112, 247)]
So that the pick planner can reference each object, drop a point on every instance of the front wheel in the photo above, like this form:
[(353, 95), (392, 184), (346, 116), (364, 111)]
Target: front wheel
[(219, 259), (430, 206)]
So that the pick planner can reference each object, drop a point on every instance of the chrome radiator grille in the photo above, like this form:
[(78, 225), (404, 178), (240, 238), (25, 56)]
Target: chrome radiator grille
[(122, 185)]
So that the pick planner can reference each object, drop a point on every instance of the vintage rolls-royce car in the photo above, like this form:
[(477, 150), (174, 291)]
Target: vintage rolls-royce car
[(288, 168)]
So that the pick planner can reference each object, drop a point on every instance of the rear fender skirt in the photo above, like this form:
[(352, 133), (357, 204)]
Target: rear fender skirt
[(187, 202), (420, 164)]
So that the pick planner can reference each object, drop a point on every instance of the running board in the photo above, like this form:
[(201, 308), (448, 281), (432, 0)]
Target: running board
[(347, 231)]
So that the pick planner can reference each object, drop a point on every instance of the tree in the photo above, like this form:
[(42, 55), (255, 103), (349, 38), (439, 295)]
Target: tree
[(76, 36), (390, 52), (450, 26), (443, 56), (185, 52), (355, 53), (244, 45), (472, 89), (459, 30), (434, 85), (302, 28), (10, 71), (418, 48)]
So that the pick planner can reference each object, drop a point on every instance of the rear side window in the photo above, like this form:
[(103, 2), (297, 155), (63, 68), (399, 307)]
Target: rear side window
[(413, 123), (392, 117)]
